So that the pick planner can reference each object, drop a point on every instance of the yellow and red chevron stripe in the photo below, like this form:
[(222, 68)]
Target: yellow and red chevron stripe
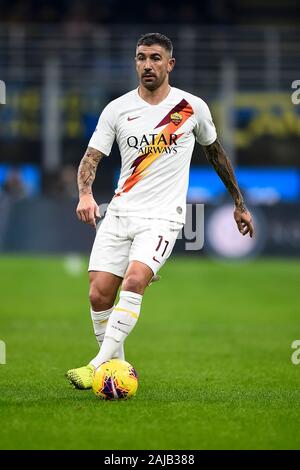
[(143, 161)]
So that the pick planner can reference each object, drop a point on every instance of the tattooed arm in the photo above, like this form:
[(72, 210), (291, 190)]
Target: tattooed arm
[(216, 155), (87, 209)]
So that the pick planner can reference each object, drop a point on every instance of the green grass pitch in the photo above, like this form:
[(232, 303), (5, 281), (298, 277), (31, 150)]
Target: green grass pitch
[(212, 349)]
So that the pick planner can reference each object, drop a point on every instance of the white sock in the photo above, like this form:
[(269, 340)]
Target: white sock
[(121, 322), (100, 320)]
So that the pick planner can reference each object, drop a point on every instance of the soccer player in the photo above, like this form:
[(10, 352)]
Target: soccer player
[(155, 126)]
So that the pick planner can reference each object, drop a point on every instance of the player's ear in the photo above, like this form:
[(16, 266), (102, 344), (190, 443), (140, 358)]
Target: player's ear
[(171, 64)]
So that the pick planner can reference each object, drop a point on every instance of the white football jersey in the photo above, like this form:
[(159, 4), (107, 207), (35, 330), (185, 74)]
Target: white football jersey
[(156, 144)]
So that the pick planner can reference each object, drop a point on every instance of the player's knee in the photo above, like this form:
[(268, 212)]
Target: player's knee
[(99, 299), (134, 283)]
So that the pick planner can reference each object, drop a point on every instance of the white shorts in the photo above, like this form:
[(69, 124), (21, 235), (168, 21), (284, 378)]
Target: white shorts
[(120, 240)]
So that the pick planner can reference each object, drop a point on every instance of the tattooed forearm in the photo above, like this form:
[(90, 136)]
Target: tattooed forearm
[(87, 170), (216, 155)]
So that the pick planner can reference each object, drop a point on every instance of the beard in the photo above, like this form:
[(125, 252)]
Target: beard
[(153, 83)]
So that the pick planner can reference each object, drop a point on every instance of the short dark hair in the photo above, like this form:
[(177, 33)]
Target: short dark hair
[(156, 38)]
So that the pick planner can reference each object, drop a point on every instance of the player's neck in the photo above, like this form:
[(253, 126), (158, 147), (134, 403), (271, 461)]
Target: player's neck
[(154, 96)]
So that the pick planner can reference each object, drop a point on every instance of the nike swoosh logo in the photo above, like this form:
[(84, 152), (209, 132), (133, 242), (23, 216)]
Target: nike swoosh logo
[(154, 259), (121, 323), (132, 118)]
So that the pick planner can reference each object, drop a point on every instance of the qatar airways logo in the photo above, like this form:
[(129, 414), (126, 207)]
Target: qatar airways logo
[(154, 143)]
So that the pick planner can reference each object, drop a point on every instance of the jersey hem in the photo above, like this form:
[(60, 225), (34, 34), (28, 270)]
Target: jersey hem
[(159, 216)]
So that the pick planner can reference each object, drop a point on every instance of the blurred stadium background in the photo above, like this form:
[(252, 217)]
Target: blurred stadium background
[(62, 62)]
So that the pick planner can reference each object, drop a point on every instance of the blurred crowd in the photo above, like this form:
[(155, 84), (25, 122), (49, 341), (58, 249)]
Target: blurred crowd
[(17, 184), (116, 11), (14, 186), (79, 13)]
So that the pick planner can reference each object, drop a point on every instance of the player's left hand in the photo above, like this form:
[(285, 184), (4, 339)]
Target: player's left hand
[(244, 222)]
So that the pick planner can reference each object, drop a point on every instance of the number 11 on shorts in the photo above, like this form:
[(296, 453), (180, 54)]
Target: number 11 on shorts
[(162, 246)]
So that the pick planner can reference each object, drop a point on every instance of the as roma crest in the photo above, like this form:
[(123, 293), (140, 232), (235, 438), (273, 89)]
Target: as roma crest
[(176, 118)]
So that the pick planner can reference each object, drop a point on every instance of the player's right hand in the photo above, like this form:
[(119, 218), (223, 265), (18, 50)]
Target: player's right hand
[(87, 210)]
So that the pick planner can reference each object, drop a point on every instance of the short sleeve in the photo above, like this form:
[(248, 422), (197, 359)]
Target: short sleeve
[(104, 134), (205, 131)]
